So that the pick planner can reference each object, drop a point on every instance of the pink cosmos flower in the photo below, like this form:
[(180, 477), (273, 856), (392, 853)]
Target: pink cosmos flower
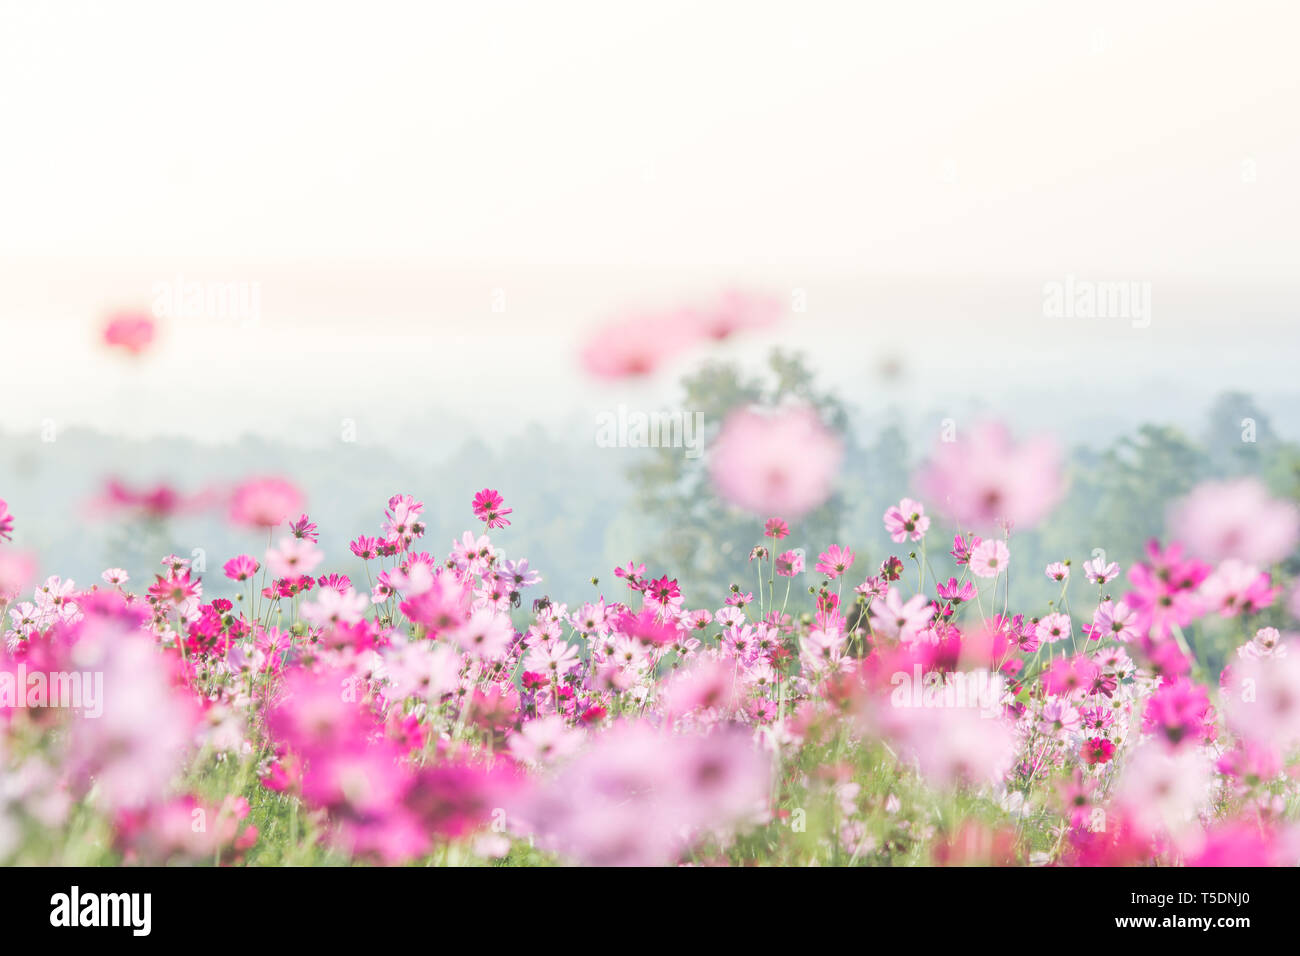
[(990, 558), (1165, 590), (1113, 620), (264, 502), (1058, 571), (6, 522), (1069, 676), (488, 507), (1236, 519), (776, 528), (292, 557), (903, 621), (1097, 750), (115, 576), (1261, 698), (545, 740), (402, 521), (985, 480), (834, 561), (955, 593), (240, 568), (783, 461), (639, 797), (789, 563), (17, 569), (485, 634), (952, 745), (1059, 719), (1099, 572), (962, 548), (365, 547), (906, 519), (333, 607), (304, 527), (636, 346), (1267, 642), (131, 331), (1236, 587), (1053, 628), (647, 626), (1245, 843), (1180, 712), (1162, 789), (735, 311)]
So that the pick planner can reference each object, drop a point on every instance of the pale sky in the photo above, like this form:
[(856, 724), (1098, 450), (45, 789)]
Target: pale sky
[(381, 170)]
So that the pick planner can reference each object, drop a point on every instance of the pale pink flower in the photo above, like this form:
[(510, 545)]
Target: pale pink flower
[(293, 556), (1261, 700), (332, 607), (784, 461), (1058, 571), (1053, 628), (1113, 620), (903, 621), (1162, 790), (1099, 572), (545, 740), (1236, 519), (17, 569), (486, 634), (984, 480), (990, 558), (637, 345), (953, 745), (264, 502)]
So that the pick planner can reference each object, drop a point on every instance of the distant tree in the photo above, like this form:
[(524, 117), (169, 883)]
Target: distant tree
[(1238, 437)]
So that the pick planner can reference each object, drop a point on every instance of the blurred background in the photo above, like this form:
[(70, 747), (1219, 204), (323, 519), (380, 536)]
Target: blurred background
[(417, 214)]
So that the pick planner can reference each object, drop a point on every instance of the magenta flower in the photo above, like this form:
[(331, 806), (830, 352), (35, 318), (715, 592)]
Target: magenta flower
[(489, 508)]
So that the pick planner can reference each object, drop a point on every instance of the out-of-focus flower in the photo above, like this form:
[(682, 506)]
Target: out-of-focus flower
[(990, 558), (264, 502), (131, 331), (1236, 519), (1261, 698), (985, 480), (636, 346), (784, 461), (736, 311), (1163, 789), (292, 557), (17, 569), (639, 797)]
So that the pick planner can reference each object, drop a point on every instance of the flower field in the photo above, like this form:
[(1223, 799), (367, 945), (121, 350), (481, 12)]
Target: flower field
[(432, 706)]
